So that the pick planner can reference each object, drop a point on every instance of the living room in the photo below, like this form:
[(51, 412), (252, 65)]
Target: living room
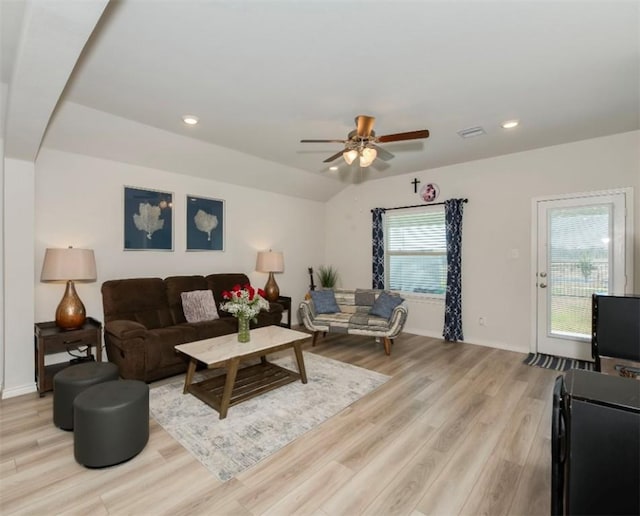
[(70, 192)]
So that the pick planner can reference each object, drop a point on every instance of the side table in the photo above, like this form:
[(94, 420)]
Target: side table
[(50, 339), (285, 301)]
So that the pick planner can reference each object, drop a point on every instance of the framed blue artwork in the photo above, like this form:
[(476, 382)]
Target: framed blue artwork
[(205, 224), (148, 220)]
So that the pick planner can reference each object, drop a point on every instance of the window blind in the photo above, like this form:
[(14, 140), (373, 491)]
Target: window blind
[(578, 264), (416, 251)]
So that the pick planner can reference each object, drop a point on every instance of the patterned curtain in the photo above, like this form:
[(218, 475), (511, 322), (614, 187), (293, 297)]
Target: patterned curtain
[(453, 302), (378, 248)]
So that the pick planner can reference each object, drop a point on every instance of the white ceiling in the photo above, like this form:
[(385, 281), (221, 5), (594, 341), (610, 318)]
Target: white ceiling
[(261, 75)]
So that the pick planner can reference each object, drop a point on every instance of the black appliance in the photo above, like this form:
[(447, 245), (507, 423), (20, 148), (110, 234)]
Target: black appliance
[(595, 444), (615, 338)]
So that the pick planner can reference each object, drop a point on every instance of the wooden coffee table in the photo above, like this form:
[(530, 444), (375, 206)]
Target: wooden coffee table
[(238, 385)]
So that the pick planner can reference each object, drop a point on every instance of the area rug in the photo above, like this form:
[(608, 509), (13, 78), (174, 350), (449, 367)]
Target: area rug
[(261, 426), (556, 363)]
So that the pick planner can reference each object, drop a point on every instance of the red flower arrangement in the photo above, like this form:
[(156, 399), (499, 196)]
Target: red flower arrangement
[(244, 301)]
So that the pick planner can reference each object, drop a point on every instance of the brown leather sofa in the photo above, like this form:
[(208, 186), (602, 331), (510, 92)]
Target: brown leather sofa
[(144, 321)]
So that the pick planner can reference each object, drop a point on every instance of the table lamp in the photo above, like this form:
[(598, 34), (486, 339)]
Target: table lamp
[(270, 261), (69, 265)]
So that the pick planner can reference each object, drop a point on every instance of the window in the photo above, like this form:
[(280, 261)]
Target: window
[(416, 250)]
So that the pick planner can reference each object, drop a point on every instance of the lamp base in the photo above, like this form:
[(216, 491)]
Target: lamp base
[(70, 314), (271, 290)]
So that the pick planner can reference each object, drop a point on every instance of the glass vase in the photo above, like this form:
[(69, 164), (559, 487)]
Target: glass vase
[(243, 329)]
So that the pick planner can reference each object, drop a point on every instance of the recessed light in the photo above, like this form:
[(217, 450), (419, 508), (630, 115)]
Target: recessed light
[(510, 124), (190, 119), (333, 168)]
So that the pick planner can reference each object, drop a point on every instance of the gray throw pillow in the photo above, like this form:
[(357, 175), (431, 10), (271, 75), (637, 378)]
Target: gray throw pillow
[(198, 305), (384, 305), (324, 301)]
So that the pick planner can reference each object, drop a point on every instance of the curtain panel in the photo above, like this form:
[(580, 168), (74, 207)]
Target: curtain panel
[(453, 209), (378, 248)]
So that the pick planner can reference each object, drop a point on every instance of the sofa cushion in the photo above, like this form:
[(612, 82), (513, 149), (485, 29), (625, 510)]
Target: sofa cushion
[(136, 299), (384, 305), (175, 286), (324, 301), (160, 346), (219, 283), (198, 305), (153, 319), (210, 329)]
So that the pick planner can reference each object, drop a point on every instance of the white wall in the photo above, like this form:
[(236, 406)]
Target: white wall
[(79, 202), (18, 281), (3, 100), (496, 225), (2, 338)]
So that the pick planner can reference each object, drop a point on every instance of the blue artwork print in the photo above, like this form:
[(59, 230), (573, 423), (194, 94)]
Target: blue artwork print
[(205, 224), (148, 220)]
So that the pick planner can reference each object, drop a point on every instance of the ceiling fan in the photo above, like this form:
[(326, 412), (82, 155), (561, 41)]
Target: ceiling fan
[(362, 142)]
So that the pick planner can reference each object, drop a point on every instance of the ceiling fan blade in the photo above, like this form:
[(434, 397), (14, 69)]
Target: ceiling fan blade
[(384, 155), (322, 141), (411, 135), (334, 157), (364, 125)]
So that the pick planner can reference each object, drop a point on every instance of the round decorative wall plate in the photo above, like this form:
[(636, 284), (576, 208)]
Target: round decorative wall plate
[(429, 192)]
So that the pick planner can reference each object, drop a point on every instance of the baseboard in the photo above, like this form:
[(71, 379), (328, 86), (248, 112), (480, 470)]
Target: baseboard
[(475, 342), (422, 333), (499, 345), (18, 391)]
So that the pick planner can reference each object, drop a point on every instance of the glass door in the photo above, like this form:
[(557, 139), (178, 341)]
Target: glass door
[(581, 250)]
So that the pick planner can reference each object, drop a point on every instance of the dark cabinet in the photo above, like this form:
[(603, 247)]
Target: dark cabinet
[(50, 339), (595, 445), (615, 338)]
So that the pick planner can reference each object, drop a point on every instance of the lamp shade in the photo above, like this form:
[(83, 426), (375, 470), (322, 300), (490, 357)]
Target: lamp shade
[(270, 261), (367, 156), (69, 264), (350, 155)]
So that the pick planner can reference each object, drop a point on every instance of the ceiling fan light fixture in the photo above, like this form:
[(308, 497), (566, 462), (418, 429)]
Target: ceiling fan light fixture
[(362, 143), (350, 155), (367, 156)]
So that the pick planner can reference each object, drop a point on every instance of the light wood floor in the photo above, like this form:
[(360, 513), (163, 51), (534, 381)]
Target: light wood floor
[(458, 429)]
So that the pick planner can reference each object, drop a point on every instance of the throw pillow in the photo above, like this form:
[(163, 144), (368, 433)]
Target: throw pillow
[(365, 297), (325, 301), (384, 305), (198, 305)]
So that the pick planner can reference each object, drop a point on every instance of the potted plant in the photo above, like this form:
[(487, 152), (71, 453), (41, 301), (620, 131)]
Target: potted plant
[(327, 276)]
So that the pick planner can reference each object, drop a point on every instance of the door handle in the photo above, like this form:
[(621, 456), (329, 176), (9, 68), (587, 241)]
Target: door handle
[(543, 285), (543, 274)]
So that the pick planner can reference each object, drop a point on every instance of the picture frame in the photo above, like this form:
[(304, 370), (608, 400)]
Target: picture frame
[(147, 220), (205, 223)]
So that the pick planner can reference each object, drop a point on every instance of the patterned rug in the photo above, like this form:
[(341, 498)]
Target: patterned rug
[(557, 363), (261, 426)]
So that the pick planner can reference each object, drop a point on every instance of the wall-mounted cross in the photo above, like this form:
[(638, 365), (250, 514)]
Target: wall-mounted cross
[(415, 183)]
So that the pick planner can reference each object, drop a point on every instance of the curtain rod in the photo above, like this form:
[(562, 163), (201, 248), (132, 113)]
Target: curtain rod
[(418, 206)]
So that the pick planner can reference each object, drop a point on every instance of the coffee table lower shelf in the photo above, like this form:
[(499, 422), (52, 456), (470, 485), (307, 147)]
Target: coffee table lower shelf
[(249, 382)]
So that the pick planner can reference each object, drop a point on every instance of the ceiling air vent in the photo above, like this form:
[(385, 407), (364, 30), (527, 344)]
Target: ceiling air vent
[(471, 132)]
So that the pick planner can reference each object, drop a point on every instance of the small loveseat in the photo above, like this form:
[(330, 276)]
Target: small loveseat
[(145, 320), (353, 316)]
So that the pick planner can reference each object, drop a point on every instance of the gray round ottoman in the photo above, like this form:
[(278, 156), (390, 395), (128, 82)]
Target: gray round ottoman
[(71, 381), (111, 422)]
